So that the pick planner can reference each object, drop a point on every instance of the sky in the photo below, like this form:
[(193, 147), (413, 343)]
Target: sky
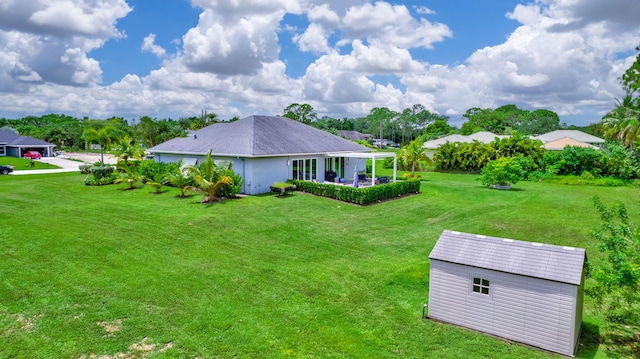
[(176, 58)]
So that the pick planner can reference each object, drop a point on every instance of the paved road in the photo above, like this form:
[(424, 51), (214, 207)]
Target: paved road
[(67, 165)]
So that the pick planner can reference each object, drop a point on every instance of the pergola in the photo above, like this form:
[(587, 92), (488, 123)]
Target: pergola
[(373, 156)]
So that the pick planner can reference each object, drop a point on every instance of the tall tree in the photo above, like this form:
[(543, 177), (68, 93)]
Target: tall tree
[(623, 123), (103, 137), (300, 112), (413, 153)]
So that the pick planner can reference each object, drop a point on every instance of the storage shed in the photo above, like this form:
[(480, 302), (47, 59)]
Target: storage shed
[(527, 292)]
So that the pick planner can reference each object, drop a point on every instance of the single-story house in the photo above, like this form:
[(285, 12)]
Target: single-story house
[(269, 149), (554, 140), (482, 137), (12, 144), (354, 135), (527, 292), (559, 139)]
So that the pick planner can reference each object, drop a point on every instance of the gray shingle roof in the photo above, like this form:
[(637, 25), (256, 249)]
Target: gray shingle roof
[(257, 136), (354, 135), (12, 139), (482, 137), (574, 134), (545, 261)]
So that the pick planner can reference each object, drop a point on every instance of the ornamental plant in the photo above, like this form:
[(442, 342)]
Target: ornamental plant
[(503, 171)]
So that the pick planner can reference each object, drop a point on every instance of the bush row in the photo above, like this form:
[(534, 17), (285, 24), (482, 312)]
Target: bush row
[(363, 195)]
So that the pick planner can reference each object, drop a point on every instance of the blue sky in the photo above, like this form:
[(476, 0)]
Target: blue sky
[(174, 58)]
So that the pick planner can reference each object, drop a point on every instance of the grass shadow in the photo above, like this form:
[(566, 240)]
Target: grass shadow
[(589, 341)]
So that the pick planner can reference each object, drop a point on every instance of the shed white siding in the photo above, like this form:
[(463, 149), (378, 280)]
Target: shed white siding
[(536, 311)]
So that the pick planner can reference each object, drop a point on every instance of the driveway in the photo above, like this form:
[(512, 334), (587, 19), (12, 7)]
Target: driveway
[(66, 164)]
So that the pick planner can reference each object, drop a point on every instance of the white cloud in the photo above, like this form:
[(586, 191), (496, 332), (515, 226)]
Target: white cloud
[(148, 44), (314, 39)]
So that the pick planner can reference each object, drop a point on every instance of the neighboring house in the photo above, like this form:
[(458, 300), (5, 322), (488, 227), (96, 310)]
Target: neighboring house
[(269, 149), (559, 139), (554, 140), (527, 292), (354, 135), (12, 144), (482, 137)]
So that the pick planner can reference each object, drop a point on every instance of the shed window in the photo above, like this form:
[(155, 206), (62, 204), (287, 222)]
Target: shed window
[(480, 285)]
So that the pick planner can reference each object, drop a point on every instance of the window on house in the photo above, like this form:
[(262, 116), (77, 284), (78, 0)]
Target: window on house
[(305, 169), (480, 285), (3, 152)]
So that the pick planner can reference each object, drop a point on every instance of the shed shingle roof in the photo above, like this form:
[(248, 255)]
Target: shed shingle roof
[(256, 136), (545, 261)]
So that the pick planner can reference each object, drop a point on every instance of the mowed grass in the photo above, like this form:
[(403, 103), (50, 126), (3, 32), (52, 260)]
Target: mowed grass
[(22, 163), (100, 270)]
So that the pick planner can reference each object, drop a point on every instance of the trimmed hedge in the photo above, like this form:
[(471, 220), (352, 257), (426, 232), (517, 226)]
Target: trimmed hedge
[(362, 195)]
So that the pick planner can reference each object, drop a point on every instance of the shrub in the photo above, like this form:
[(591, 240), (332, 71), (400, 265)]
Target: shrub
[(151, 168), (362, 195), (503, 171), (85, 168), (99, 175), (232, 190)]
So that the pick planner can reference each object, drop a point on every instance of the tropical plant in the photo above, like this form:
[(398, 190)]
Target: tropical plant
[(103, 137), (615, 281), (129, 175), (127, 149), (180, 177), (413, 153), (623, 123), (209, 179), (157, 182), (503, 172)]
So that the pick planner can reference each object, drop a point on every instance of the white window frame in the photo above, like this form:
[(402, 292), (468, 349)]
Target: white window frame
[(302, 165), (485, 285)]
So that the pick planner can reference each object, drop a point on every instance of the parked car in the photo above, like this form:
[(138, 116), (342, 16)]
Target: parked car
[(5, 169), (34, 155)]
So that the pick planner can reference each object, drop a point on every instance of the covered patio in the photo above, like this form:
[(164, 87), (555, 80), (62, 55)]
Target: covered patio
[(369, 155)]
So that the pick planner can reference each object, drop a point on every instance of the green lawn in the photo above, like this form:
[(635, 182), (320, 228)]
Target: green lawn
[(101, 270), (20, 164)]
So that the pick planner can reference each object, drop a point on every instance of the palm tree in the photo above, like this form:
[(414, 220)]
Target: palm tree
[(159, 180), (129, 175), (181, 178), (412, 153), (103, 137), (209, 179), (127, 150), (623, 123)]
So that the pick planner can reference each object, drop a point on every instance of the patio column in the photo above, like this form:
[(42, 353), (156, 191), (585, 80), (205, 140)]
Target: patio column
[(395, 166)]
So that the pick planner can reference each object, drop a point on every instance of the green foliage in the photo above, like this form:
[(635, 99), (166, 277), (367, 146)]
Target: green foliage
[(157, 182), (103, 136), (458, 156), (98, 175), (437, 129), (151, 168), (503, 171), (129, 175), (85, 168), (210, 179), (235, 187), (615, 280), (180, 177), (361, 195), (508, 118), (300, 112), (412, 154), (614, 160)]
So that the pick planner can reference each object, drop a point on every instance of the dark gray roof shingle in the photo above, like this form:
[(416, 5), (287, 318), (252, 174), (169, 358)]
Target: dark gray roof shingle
[(545, 261), (11, 139), (256, 136)]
